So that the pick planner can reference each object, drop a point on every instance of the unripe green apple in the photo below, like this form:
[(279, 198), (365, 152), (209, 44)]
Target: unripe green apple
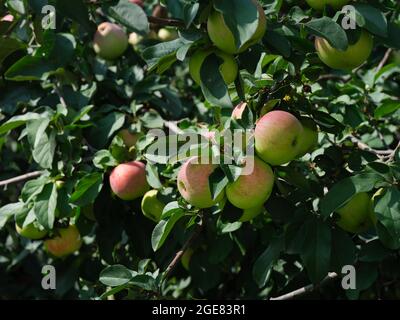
[(152, 207), (186, 257), (134, 38), (67, 241), (320, 4), (110, 41), (251, 213), (254, 188), (277, 136), (167, 34), (129, 138), (193, 184), (31, 231), (355, 215), (228, 68), (309, 138), (128, 180), (354, 56), (223, 38)]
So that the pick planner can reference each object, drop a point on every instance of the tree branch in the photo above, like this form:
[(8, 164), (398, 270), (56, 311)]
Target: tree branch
[(361, 145), (384, 59), (166, 21), (306, 289), (23, 177)]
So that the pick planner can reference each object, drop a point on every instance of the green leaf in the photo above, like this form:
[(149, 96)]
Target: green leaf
[(217, 182), (265, 261), (163, 228), (8, 46), (32, 188), (44, 145), (17, 121), (30, 68), (386, 108), (371, 19), (104, 159), (212, 83), (343, 250), (116, 275), (105, 128), (152, 176), (9, 210), (365, 277), (45, 206), (131, 16), (87, 189), (76, 10), (345, 189), (327, 28)]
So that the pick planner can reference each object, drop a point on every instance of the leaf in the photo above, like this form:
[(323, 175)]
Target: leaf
[(366, 274), (217, 182), (327, 28), (131, 16), (343, 250), (152, 176), (345, 189), (163, 228), (116, 275), (45, 206), (76, 10), (105, 128), (103, 159), (44, 145), (87, 189), (241, 17), (17, 121), (30, 68), (371, 19), (265, 261), (386, 108), (9, 210), (8, 46), (212, 83), (32, 188)]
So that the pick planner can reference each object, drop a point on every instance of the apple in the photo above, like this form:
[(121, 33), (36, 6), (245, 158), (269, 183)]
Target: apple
[(251, 213), (193, 183), (129, 138), (134, 38), (186, 257), (31, 231), (228, 68), (110, 41), (223, 38), (152, 207), (354, 56), (167, 34), (277, 137), (320, 4), (309, 138), (252, 189), (128, 180), (66, 241), (138, 2), (8, 18), (356, 215)]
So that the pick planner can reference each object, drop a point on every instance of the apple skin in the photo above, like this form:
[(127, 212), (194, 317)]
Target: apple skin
[(110, 41), (320, 4), (128, 180), (251, 213), (228, 68), (309, 138), (152, 208), (223, 38), (138, 2), (252, 190), (134, 39), (66, 242), (356, 215), (31, 231), (193, 183), (8, 18), (165, 34), (353, 57), (277, 136)]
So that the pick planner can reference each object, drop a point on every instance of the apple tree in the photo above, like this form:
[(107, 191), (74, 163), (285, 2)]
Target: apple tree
[(99, 98)]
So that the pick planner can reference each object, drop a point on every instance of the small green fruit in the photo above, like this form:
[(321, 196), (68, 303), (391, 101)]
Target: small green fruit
[(31, 231), (320, 4), (251, 213), (110, 41), (309, 138), (152, 207)]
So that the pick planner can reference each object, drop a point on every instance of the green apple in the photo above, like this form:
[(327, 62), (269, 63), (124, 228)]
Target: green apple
[(134, 39), (252, 189), (309, 138), (320, 4), (65, 242), (110, 41), (228, 68), (129, 138), (355, 216), (223, 38), (186, 257), (193, 184), (251, 213), (152, 207), (352, 57), (167, 34), (128, 180), (32, 231), (277, 137)]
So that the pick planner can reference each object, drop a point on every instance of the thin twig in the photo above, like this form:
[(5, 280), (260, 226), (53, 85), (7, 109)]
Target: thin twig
[(361, 145), (384, 59), (306, 289), (393, 154), (23, 177), (60, 96), (166, 21)]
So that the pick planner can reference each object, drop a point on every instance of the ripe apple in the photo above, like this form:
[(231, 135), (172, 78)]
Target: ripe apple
[(152, 207), (309, 138), (31, 231), (223, 38), (128, 180), (138, 2), (356, 215), (167, 34), (228, 68), (186, 257), (251, 213), (129, 138), (193, 183), (320, 4), (277, 137), (251, 190), (67, 241), (354, 56), (110, 41)]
